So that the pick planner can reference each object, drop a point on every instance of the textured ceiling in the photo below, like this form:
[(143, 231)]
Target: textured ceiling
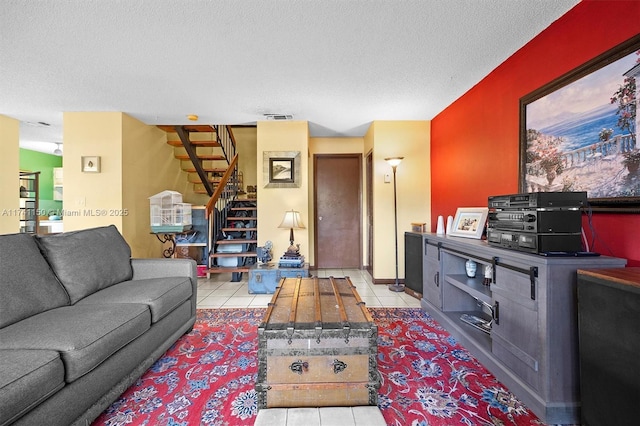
[(337, 64)]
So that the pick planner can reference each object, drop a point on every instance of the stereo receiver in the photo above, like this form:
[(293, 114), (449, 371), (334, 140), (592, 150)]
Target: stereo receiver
[(534, 243), (535, 200), (537, 222)]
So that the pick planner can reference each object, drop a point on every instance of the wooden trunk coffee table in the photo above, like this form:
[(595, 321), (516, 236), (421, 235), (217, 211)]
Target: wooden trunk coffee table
[(317, 346)]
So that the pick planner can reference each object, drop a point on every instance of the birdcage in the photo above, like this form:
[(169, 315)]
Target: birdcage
[(169, 213)]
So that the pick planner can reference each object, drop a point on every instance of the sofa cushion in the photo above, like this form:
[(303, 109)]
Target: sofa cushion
[(26, 378), (27, 284), (83, 335), (88, 260), (162, 295)]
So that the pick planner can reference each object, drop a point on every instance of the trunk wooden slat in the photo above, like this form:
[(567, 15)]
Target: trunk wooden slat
[(317, 346)]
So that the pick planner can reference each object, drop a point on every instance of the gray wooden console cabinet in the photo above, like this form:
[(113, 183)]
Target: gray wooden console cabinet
[(530, 306)]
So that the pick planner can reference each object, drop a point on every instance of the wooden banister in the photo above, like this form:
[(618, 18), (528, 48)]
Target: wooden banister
[(221, 186)]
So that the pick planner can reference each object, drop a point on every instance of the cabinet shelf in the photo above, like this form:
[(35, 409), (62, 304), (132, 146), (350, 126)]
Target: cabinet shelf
[(481, 338), (29, 202), (473, 286)]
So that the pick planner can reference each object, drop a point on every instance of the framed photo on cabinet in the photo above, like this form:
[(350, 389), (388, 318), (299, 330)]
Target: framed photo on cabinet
[(469, 222)]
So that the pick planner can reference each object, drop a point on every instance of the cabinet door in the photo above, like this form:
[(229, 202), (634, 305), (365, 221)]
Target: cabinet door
[(514, 333), (431, 285)]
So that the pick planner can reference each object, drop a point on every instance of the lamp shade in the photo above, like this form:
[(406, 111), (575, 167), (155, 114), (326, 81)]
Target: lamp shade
[(292, 220), (393, 161)]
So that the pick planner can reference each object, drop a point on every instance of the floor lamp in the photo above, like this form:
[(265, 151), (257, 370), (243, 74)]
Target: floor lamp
[(393, 162)]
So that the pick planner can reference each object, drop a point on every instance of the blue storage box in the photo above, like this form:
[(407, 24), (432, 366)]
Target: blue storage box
[(263, 278)]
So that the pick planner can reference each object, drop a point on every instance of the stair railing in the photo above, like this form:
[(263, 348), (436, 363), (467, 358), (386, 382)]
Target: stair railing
[(226, 140), (217, 208)]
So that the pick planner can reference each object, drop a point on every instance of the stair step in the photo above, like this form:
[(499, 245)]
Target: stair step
[(244, 200), (238, 254), (237, 209), (236, 241), (209, 143), (238, 229), (206, 169), (194, 128), (208, 157), (202, 191), (224, 269), (195, 178), (241, 218)]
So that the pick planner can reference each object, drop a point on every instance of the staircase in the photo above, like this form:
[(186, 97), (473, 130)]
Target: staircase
[(237, 254), (205, 147), (208, 154)]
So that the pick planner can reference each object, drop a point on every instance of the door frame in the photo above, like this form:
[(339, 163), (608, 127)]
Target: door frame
[(315, 203), (369, 210)]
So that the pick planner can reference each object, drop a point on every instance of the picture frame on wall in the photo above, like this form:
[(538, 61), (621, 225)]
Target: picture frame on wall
[(91, 164), (579, 132), (281, 169), (469, 222)]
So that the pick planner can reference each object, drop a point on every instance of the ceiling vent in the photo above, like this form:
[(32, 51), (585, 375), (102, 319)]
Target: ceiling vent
[(278, 116)]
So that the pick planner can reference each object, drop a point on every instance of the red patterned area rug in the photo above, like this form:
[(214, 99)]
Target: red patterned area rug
[(208, 377)]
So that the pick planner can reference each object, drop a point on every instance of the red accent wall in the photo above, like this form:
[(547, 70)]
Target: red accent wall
[(475, 142)]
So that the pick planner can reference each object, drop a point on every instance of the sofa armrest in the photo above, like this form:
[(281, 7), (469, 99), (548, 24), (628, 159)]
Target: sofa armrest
[(158, 268)]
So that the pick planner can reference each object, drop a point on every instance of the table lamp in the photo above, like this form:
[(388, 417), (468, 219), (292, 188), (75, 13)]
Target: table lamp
[(292, 221)]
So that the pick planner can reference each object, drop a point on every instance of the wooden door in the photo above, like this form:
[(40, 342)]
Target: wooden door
[(338, 212)]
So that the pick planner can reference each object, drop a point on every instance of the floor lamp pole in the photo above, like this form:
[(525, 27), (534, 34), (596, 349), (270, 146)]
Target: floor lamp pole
[(397, 287)]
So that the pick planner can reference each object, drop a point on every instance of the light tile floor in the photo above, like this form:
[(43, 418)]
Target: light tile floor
[(219, 291)]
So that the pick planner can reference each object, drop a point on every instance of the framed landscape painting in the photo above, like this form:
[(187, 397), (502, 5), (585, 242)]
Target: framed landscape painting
[(281, 169), (578, 133)]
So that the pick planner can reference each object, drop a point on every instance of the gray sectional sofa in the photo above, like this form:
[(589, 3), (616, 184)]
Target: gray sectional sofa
[(80, 321)]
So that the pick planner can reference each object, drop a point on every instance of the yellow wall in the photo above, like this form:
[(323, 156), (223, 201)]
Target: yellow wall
[(334, 146), (273, 202), (411, 140), (9, 175), (148, 168), (89, 198), (136, 163)]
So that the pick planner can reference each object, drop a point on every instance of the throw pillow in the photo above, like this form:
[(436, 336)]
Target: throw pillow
[(88, 260), (27, 284)]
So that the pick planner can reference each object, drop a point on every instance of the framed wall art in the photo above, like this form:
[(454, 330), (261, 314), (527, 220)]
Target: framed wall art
[(469, 222), (578, 133), (281, 169), (91, 164)]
